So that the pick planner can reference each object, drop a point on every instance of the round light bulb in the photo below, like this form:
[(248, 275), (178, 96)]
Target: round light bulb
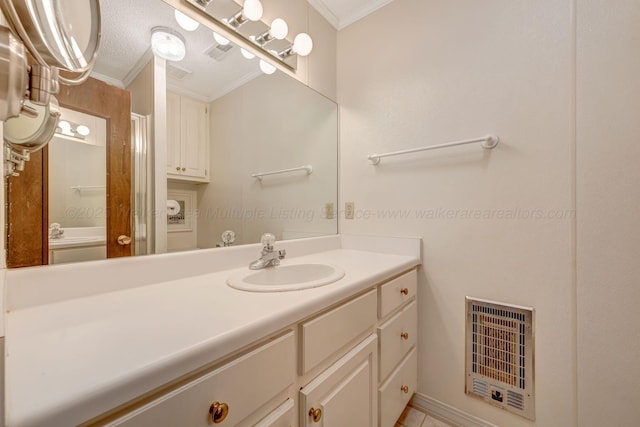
[(83, 130), (279, 29), (221, 40), (185, 22), (302, 44), (252, 10), (64, 125), (246, 53), (266, 67)]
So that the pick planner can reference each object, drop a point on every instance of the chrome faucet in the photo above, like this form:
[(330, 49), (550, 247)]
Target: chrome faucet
[(55, 232), (270, 257)]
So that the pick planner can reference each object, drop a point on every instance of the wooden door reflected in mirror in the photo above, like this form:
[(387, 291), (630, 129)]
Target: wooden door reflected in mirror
[(27, 194)]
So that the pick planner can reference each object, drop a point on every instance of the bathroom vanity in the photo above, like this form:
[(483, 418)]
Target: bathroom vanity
[(178, 346)]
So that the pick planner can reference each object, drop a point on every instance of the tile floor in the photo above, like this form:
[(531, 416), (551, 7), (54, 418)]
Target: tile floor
[(412, 417)]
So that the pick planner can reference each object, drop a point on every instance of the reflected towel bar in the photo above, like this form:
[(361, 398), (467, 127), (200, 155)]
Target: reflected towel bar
[(488, 142), (307, 168), (88, 187)]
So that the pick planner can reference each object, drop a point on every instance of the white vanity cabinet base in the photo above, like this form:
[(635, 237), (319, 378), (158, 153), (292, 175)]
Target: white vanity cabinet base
[(282, 416), (392, 396), (397, 337), (268, 369), (323, 336), (343, 392)]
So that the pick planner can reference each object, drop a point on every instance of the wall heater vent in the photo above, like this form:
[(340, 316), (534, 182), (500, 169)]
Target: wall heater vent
[(499, 356), (219, 51)]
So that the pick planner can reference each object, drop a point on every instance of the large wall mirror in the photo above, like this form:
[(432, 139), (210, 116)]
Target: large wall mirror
[(246, 152)]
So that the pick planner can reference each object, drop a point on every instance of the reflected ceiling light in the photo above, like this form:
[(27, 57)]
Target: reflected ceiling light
[(185, 22), (221, 40), (64, 126), (246, 53), (83, 130), (279, 30), (251, 11), (168, 44), (267, 68), (302, 46), (72, 129)]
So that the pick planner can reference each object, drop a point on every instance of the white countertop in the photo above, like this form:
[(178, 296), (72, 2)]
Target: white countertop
[(68, 361)]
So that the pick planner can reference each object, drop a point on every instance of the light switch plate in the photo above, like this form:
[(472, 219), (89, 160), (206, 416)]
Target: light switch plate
[(349, 209)]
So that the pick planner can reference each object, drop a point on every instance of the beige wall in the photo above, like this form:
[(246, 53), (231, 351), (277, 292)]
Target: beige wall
[(418, 73), (269, 124), (608, 196)]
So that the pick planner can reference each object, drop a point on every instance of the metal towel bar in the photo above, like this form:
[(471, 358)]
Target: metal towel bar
[(488, 142), (307, 168)]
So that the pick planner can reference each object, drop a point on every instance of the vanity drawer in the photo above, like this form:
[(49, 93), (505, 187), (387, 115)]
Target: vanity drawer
[(281, 417), (397, 292), (323, 336), (397, 336), (243, 385), (396, 392)]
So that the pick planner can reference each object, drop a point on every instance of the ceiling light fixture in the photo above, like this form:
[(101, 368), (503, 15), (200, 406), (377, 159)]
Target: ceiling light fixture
[(267, 68), (72, 129), (187, 23), (279, 30), (168, 44), (302, 46), (220, 40), (251, 11), (246, 53)]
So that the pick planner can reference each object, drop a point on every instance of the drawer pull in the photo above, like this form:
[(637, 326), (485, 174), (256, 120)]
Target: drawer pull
[(405, 389), (404, 291), (184, 169), (315, 414), (218, 412), (177, 168), (404, 335)]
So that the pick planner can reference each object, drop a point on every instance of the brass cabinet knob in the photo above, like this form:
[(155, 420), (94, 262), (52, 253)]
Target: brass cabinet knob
[(315, 414), (218, 412), (404, 335), (177, 168), (404, 291), (405, 389), (124, 240), (184, 169)]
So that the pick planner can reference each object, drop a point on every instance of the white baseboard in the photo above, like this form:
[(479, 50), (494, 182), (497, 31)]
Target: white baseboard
[(447, 413)]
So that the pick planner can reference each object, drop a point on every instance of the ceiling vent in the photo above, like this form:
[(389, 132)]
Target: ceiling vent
[(219, 51), (499, 355), (177, 73)]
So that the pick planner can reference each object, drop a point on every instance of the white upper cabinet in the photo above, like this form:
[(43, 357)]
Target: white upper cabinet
[(187, 139)]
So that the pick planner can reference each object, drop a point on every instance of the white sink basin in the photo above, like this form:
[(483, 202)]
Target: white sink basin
[(284, 278)]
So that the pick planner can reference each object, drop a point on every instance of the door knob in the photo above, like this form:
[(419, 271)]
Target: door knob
[(124, 240), (218, 412), (315, 414)]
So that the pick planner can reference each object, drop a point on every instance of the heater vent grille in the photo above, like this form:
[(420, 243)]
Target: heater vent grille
[(219, 51), (177, 73), (499, 358)]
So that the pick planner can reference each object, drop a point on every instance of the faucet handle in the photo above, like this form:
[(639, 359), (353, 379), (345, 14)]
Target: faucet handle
[(282, 253), (268, 240)]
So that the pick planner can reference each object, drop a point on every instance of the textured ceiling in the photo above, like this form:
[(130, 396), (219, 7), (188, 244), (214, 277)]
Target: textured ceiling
[(126, 40)]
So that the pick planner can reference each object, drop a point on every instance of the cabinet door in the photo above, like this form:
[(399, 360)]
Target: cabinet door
[(173, 134), (194, 152), (343, 395)]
